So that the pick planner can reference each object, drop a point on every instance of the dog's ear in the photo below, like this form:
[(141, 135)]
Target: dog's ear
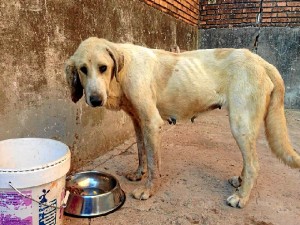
[(118, 59), (73, 80)]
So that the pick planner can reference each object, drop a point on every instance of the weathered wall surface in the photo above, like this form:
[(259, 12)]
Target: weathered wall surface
[(278, 45), (36, 39)]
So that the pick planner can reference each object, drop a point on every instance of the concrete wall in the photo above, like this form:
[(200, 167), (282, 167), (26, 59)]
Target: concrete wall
[(278, 45), (36, 39)]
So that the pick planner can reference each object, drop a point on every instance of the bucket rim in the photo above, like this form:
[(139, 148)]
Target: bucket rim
[(46, 166), (53, 163)]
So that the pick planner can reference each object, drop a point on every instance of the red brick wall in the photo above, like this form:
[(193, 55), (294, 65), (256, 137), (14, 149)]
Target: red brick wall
[(186, 10), (241, 13)]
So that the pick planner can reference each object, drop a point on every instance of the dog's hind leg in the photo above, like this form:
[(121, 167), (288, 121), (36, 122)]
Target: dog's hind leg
[(246, 113), (245, 132), (142, 168)]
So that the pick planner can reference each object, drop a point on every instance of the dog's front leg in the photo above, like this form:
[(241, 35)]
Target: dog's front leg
[(142, 169), (151, 134)]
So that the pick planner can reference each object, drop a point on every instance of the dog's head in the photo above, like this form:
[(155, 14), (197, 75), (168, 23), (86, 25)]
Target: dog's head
[(93, 66)]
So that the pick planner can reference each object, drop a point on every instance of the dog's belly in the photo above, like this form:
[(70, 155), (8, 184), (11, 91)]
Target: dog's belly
[(187, 109), (191, 89)]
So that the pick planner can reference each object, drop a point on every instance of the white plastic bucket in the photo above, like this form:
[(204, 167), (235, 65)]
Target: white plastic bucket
[(37, 168)]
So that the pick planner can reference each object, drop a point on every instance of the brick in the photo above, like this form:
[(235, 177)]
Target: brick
[(211, 6), (266, 15), (249, 10), (224, 16), (249, 20), (267, 10), (237, 11), (280, 20), (293, 14), (210, 17), (185, 3), (269, 4), (225, 22), (249, 5), (225, 11), (266, 20), (281, 14), (281, 9), (281, 4), (211, 12), (164, 4), (293, 3), (295, 20), (296, 9), (239, 16), (212, 22)]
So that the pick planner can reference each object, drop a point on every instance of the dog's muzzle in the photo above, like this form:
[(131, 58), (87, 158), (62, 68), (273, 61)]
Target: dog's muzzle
[(95, 101)]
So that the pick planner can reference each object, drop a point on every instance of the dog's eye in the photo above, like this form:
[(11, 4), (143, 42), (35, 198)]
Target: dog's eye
[(102, 69), (83, 70)]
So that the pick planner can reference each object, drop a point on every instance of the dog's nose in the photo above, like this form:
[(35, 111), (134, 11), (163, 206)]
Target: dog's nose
[(95, 101)]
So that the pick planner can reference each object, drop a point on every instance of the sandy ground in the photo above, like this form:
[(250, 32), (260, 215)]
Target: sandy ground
[(197, 160)]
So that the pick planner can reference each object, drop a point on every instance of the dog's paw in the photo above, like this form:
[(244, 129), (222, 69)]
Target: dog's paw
[(141, 193), (135, 176), (236, 201), (235, 181)]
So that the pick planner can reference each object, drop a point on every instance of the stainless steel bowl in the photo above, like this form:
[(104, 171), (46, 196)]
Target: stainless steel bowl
[(93, 193)]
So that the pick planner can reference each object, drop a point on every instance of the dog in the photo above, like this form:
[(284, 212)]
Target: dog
[(153, 86)]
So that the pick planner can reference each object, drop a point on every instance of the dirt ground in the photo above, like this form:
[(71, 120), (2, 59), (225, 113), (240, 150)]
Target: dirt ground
[(197, 160)]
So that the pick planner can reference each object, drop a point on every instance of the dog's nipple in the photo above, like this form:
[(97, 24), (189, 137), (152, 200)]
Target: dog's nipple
[(172, 120), (193, 119)]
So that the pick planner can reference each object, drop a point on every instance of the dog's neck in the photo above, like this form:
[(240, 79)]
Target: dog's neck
[(115, 94)]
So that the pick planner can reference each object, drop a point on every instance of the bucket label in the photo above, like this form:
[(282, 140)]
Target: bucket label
[(47, 213), (13, 202)]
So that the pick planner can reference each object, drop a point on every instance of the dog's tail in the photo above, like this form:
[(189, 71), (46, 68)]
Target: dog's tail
[(275, 123)]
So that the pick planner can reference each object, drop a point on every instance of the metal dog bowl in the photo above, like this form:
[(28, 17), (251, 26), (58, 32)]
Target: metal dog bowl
[(93, 193)]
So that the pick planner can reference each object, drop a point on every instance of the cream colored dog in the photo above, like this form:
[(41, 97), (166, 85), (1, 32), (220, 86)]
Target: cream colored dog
[(153, 85)]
